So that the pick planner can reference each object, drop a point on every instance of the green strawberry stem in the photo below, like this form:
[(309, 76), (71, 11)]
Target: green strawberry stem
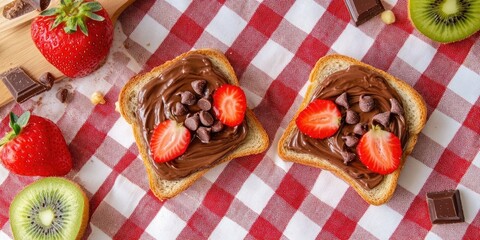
[(74, 13), (16, 123)]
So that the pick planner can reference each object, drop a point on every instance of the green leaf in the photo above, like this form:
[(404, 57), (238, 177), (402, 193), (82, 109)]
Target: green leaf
[(23, 120), (49, 12), (13, 119), (83, 27), (16, 123), (57, 22), (92, 6), (94, 16), (16, 128), (73, 13), (71, 25), (66, 2), (76, 4)]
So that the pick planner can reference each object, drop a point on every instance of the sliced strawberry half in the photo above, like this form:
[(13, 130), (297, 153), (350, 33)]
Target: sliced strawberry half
[(169, 141), (320, 119), (230, 104), (380, 150)]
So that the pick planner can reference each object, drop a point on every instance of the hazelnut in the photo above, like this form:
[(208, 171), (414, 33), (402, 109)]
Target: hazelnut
[(388, 17), (97, 98)]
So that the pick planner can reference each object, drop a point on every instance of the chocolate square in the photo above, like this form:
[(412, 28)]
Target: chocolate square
[(21, 85), (445, 207), (363, 10)]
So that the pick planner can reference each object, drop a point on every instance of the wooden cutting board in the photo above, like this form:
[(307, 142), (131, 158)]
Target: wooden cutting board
[(18, 49)]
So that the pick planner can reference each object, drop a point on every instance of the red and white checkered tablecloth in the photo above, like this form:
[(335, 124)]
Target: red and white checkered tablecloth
[(272, 46)]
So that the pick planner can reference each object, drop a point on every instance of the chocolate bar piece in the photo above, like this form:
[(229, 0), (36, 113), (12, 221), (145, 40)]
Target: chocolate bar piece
[(445, 207), (363, 10), (47, 80), (21, 85)]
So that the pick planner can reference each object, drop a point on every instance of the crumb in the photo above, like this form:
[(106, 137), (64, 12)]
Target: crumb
[(97, 98), (117, 106)]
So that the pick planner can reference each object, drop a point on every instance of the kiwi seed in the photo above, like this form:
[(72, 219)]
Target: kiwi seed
[(50, 208), (445, 21)]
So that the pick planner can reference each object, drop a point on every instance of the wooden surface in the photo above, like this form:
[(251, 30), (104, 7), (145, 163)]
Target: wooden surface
[(18, 49)]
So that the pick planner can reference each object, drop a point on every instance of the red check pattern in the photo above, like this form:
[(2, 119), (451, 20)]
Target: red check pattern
[(272, 46)]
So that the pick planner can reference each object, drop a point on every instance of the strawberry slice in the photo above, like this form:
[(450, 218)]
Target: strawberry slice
[(320, 119), (230, 104), (169, 141), (380, 151)]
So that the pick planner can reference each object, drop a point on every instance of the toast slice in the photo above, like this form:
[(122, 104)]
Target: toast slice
[(415, 113), (256, 140)]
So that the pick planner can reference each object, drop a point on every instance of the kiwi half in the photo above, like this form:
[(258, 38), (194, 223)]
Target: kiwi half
[(50, 208), (445, 21)]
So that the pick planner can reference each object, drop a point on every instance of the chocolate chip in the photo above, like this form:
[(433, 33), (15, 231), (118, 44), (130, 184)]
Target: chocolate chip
[(382, 118), (180, 109), (352, 117), (207, 92), (199, 86), (217, 126), (204, 104), (206, 118), (396, 108), (342, 100), (47, 80), (63, 95), (203, 134), (187, 98), (360, 128), (192, 122), (366, 103), (348, 157), (350, 141)]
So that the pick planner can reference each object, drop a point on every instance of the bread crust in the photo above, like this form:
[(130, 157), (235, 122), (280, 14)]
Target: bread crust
[(255, 142), (415, 115)]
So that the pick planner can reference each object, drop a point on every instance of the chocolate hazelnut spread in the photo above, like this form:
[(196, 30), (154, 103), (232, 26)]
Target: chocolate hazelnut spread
[(158, 101), (356, 81)]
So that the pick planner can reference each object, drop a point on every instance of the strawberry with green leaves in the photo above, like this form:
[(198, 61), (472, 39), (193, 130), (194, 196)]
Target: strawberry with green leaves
[(35, 147), (75, 36)]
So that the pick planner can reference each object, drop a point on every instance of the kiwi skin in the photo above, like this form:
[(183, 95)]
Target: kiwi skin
[(475, 29), (14, 207)]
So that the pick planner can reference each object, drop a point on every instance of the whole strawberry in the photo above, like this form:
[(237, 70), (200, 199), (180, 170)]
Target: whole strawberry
[(75, 37), (35, 147)]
